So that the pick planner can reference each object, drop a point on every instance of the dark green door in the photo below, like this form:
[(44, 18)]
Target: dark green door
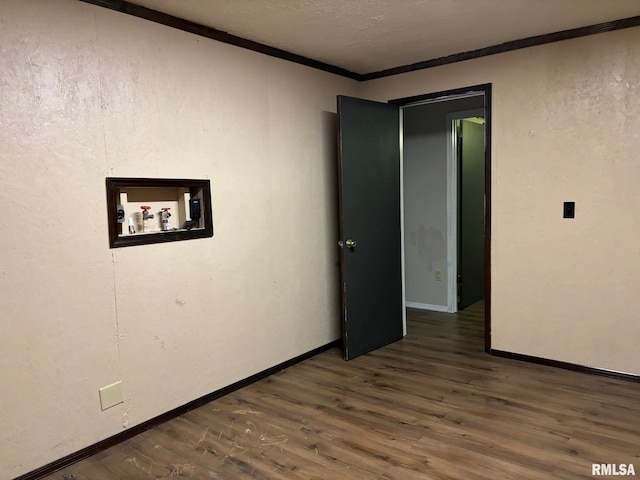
[(369, 162), (471, 213)]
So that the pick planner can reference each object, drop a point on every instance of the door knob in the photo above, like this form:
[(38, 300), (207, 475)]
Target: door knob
[(349, 243)]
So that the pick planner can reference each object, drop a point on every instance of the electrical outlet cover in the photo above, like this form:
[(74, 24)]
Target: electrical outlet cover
[(111, 395)]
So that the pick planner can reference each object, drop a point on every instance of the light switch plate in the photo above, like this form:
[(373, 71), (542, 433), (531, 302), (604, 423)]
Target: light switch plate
[(111, 395), (569, 210)]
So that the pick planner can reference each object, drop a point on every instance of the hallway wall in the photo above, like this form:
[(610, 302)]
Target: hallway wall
[(425, 198)]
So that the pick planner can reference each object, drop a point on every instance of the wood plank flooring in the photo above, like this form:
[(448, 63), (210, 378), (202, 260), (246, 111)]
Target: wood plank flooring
[(432, 406)]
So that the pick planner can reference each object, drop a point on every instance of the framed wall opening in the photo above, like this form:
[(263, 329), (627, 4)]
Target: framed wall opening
[(482, 92)]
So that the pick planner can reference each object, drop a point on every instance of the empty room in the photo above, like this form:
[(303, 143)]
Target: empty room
[(319, 240)]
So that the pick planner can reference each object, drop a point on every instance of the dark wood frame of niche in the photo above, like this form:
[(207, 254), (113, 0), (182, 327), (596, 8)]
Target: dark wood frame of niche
[(199, 188)]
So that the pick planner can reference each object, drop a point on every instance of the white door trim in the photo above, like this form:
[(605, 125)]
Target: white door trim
[(404, 283)]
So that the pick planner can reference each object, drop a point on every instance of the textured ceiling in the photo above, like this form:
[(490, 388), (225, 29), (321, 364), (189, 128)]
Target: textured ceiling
[(365, 36)]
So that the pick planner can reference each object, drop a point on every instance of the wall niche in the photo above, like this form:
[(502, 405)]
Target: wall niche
[(155, 210)]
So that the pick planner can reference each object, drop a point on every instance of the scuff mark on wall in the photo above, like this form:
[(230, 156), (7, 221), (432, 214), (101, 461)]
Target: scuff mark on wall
[(158, 339), (125, 420), (179, 301), (430, 244)]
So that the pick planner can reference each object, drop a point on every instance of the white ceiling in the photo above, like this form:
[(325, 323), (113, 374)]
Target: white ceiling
[(365, 36)]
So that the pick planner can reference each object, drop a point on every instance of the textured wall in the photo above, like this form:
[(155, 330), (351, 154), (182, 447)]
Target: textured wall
[(87, 93), (566, 127), (425, 197)]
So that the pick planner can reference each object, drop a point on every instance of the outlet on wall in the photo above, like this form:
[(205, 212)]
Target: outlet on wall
[(111, 395), (438, 275)]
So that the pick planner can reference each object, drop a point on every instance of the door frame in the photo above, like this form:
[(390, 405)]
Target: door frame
[(402, 256), (483, 89), (452, 203)]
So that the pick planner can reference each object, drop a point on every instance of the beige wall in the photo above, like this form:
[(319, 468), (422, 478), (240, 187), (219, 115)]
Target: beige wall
[(86, 93), (566, 127)]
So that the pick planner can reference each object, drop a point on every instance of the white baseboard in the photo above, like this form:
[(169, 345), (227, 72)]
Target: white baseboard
[(426, 306)]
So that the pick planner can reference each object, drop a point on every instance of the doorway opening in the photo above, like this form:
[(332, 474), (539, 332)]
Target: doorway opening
[(446, 191), (373, 153)]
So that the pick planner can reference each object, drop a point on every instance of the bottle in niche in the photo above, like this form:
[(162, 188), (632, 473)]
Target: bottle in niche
[(146, 216), (166, 224)]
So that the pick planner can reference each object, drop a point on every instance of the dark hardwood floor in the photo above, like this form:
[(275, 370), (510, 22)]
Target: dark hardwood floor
[(431, 406)]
